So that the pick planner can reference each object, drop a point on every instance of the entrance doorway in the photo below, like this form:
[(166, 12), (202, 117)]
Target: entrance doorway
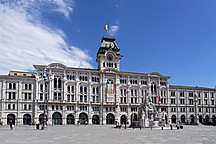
[(57, 118), (70, 119), (173, 118), (11, 117), (110, 119), (191, 119), (83, 117), (133, 117), (41, 118), (95, 119), (183, 119), (26, 119), (123, 119)]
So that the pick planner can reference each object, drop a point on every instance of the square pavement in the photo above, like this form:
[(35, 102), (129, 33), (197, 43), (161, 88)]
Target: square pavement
[(107, 134)]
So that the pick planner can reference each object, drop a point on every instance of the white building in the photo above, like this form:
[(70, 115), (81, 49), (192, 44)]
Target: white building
[(98, 96)]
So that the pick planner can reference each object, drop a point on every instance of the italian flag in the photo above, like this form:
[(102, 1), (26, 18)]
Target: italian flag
[(110, 89), (159, 98), (106, 27)]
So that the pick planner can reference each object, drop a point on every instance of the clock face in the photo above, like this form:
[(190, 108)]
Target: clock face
[(109, 57)]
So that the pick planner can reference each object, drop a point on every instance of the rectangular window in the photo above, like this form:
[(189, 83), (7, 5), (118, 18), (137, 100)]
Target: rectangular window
[(72, 98), (59, 96), (41, 96), (55, 96), (97, 99), (29, 95), (81, 98), (85, 98), (68, 97), (93, 99)]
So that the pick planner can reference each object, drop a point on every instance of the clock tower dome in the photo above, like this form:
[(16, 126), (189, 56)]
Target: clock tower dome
[(108, 56)]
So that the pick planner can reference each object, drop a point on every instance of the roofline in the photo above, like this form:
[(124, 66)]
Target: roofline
[(17, 76), (24, 72), (192, 87), (146, 74)]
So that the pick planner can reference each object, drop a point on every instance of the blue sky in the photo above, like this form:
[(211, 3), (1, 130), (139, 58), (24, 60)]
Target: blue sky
[(175, 38)]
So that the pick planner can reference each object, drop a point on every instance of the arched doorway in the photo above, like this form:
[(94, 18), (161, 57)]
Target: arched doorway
[(110, 119), (173, 119), (95, 119), (83, 117), (11, 117), (41, 118), (26, 119), (213, 119), (207, 119), (200, 119), (133, 117), (182, 118), (191, 119), (123, 119), (57, 118), (70, 119)]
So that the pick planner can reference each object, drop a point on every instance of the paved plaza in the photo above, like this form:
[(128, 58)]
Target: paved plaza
[(96, 134)]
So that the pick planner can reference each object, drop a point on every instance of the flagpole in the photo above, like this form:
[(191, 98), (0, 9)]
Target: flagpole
[(108, 28)]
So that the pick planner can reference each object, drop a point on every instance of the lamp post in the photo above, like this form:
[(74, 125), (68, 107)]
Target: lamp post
[(195, 107), (44, 126)]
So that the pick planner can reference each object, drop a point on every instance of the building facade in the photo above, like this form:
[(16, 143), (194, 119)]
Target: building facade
[(98, 96)]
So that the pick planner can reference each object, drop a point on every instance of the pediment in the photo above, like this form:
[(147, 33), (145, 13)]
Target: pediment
[(156, 74), (57, 66)]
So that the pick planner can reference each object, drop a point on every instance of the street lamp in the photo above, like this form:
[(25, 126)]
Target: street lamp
[(195, 107), (44, 126)]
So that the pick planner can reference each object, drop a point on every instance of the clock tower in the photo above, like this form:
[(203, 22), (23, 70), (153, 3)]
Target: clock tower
[(108, 56)]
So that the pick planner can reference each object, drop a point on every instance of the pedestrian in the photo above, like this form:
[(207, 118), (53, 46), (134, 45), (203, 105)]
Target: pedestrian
[(11, 124), (86, 122), (78, 122)]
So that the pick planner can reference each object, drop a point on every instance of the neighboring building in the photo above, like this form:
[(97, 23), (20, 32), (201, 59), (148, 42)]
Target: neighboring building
[(101, 96)]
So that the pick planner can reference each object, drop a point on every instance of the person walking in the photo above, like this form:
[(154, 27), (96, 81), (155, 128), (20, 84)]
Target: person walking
[(11, 124)]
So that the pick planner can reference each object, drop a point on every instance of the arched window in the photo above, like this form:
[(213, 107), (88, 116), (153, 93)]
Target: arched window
[(9, 106), (93, 90), (68, 88), (26, 86), (14, 106), (81, 89), (55, 82), (30, 86), (14, 86), (97, 90), (115, 65), (85, 89), (59, 83), (103, 64), (10, 85), (72, 89), (29, 107), (41, 87)]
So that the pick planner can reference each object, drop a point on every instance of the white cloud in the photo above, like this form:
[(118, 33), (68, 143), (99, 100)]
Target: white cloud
[(25, 41), (113, 30)]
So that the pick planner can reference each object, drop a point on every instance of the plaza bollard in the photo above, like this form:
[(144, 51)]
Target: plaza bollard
[(161, 128), (171, 127), (125, 126)]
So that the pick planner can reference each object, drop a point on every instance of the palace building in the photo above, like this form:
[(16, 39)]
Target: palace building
[(99, 96)]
